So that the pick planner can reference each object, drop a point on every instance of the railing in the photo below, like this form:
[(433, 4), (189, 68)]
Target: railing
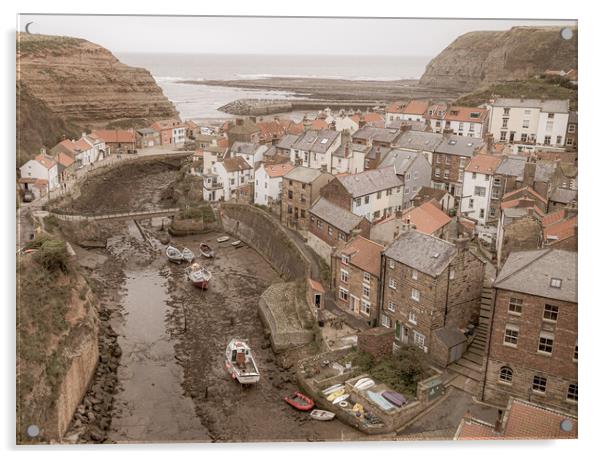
[(120, 215)]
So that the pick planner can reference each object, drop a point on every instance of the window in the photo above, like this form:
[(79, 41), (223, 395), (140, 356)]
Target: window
[(344, 276), (571, 393), (539, 384), (504, 123), (506, 111), (503, 135), (412, 317), (366, 199), (479, 191), (481, 213), (550, 116), (342, 236), (302, 213), (391, 306), (572, 128), (391, 264), (378, 195), (343, 294), (345, 259), (366, 277), (575, 354), (376, 214), (447, 160), (546, 343), (452, 274), (525, 124), (330, 230), (506, 374), (415, 295), (511, 336), (446, 173), (437, 159), (365, 307), (414, 274), (515, 306), (290, 194), (419, 339), (358, 202), (290, 210), (385, 321), (523, 137), (393, 284), (550, 313), (319, 223), (437, 172), (471, 203), (558, 140), (555, 282), (547, 140), (366, 290), (569, 141)]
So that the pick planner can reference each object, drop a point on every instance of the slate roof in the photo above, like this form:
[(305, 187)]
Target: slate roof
[(402, 160), (384, 135), (370, 181), (244, 148), (336, 216), (450, 336), (303, 174), (531, 271), (549, 106), (459, 145), (512, 166), (287, 141), (316, 141), (147, 131), (428, 193), (236, 163), (544, 170), (420, 141), (425, 253), (563, 195)]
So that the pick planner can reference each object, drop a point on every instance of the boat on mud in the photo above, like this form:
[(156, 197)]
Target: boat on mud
[(299, 401), (174, 255), (187, 255), (240, 363), (223, 239), (236, 243), (322, 415), (199, 276), (206, 251)]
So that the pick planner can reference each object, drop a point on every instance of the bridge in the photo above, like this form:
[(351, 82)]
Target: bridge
[(134, 215)]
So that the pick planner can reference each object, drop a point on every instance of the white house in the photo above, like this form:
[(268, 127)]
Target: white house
[(252, 153), (414, 110), (42, 167), (346, 123), (226, 177), (476, 188), (179, 134), (348, 159), (99, 147), (530, 121), (268, 182), (314, 148)]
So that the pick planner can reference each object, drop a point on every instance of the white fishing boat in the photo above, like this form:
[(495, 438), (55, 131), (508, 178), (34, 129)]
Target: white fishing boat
[(331, 389), (364, 383), (187, 255), (223, 238), (206, 251), (174, 254), (340, 399), (199, 276), (240, 363), (322, 415), (236, 243)]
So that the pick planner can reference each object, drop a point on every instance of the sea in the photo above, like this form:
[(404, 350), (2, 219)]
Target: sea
[(201, 102)]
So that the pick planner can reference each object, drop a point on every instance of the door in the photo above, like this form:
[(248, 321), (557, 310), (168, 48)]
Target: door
[(317, 300), (511, 138), (353, 304), (404, 334)]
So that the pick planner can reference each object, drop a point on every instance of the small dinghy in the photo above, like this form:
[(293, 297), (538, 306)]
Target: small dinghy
[(240, 363), (187, 255), (223, 239), (340, 399), (300, 401), (174, 255), (394, 397), (206, 251), (199, 276), (380, 401), (364, 383), (331, 389), (322, 415), (236, 243), (335, 394)]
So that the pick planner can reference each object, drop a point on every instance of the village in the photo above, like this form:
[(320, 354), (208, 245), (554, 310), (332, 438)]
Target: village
[(430, 250)]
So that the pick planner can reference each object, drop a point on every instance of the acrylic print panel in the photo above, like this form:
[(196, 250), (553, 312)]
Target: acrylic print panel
[(346, 236)]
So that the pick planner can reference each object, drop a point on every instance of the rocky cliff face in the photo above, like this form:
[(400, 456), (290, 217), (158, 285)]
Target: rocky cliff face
[(80, 84), (477, 59)]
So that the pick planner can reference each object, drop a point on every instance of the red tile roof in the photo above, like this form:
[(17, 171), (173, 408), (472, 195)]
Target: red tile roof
[(553, 217), (116, 135), (319, 124), (561, 230), (416, 107), (64, 159), (316, 286), (394, 107), (522, 191), (47, 161), (82, 145), (428, 218), (456, 113), (474, 429), (364, 253), (522, 202), (484, 164), (295, 128), (166, 124), (529, 421), (278, 170)]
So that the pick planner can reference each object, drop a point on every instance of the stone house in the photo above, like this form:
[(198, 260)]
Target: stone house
[(374, 194), (444, 200), (243, 130), (171, 132), (348, 158), (116, 140), (419, 141), (375, 137), (356, 278), (147, 137), (331, 226), (533, 340), (428, 284), (300, 189)]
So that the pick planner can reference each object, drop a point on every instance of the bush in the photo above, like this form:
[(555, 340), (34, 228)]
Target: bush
[(52, 255)]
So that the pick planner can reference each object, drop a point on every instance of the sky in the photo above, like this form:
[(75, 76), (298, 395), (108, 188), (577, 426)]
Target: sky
[(248, 35)]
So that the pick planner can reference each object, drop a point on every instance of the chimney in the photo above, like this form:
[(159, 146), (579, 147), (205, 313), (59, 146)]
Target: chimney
[(377, 155), (239, 121), (362, 122), (461, 243), (498, 421), (346, 150)]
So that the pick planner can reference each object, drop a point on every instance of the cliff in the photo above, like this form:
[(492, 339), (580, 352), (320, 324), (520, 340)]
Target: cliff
[(478, 59), (78, 85)]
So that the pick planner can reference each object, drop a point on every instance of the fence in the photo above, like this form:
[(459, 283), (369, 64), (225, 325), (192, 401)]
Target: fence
[(114, 216)]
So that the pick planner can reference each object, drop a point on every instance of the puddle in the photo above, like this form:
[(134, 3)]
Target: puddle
[(150, 406)]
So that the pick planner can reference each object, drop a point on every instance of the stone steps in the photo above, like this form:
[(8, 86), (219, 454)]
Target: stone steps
[(465, 371)]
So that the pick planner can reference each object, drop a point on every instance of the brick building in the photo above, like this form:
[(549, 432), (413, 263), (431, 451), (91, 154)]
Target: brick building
[(532, 352), (300, 189), (331, 226), (356, 278), (428, 283)]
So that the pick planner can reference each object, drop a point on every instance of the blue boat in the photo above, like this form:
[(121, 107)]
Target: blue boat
[(380, 401)]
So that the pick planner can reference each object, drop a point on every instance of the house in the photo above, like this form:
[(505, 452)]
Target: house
[(117, 140), (268, 182), (301, 187), (252, 153), (560, 229), (374, 136), (445, 201), (100, 148), (66, 166), (192, 129), (412, 168), (356, 278), (477, 188), (172, 131), (428, 284), (147, 137), (348, 158), (80, 150), (243, 130), (373, 194), (368, 119), (284, 146), (509, 176), (227, 179), (314, 149), (414, 110), (270, 132), (465, 121), (347, 123), (533, 339), (529, 121), (523, 420), (519, 228), (42, 168), (561, 198), (418, 141), (450, 158), (427, 218), (331, 225), (571, 135)]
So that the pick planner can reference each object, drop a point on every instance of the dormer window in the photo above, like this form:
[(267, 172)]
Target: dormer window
[(555, 282), (345, 259)]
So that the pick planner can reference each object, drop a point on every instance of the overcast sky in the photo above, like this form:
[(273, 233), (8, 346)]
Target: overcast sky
[(237, 35)]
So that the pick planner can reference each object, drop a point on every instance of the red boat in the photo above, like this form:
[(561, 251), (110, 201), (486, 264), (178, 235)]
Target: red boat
[(300, 401)]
